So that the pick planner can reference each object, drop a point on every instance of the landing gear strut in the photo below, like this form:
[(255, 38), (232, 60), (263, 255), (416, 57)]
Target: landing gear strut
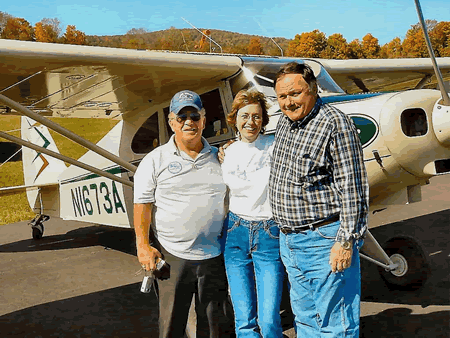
[(37, 225), (412, 267)]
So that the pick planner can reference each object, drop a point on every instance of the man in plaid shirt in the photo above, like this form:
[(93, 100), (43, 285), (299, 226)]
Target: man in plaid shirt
[(319, 195)]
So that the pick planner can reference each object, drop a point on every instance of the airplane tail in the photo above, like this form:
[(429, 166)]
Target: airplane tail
[(39, 169)]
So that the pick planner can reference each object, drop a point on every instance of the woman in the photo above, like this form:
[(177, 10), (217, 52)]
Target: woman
[(252, 256)]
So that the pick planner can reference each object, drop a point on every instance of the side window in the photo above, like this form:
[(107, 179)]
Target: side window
[(147, 137), (216, 124), (414, 122)]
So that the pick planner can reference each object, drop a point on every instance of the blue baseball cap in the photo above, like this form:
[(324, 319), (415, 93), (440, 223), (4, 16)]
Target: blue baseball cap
[(185, 98)]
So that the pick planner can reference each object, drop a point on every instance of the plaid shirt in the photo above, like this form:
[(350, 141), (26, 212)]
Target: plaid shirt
[(318, 171)]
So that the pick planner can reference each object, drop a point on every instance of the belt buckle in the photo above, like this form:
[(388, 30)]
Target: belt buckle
[(285, 230)]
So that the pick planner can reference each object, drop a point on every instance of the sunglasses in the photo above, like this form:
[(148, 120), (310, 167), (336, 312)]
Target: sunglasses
[(183, 117)]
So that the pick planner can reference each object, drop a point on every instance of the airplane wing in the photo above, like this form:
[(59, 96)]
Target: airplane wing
[(86, 81), (374, 75)]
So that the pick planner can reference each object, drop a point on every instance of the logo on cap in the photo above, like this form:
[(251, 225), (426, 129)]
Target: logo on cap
[(186, 96)]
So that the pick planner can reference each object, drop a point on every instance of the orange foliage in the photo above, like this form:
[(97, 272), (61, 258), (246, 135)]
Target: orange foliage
[(393, 49), (255, 47), (370, 47), (307, 44), (74, 36), (337, 48), (17, 29), (45, 33), (414, 44), (440, 38)]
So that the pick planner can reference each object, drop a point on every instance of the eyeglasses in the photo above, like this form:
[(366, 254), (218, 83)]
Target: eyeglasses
[(246, 117), (183, 117)]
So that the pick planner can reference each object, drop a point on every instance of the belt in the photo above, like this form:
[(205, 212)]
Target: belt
[(333, 219)]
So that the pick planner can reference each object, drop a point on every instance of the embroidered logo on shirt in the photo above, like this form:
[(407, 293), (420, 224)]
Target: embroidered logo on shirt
[(174, 167)]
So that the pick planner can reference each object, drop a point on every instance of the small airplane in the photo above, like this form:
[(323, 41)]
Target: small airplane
[(405, 134)]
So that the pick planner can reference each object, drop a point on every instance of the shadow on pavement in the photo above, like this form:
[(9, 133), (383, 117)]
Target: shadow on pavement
[(99, 235), (119, 312), (400, 323)]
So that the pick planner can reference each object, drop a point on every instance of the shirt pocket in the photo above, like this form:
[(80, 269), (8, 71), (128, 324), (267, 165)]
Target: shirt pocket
[(301, 170)]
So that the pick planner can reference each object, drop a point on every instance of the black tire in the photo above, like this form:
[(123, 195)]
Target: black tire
[(38, 231), (413, 270)]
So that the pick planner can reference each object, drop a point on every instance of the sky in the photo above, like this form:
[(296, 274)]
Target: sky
[(384, 19)]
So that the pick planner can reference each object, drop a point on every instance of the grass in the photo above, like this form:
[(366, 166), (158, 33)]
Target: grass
[(15, 207)]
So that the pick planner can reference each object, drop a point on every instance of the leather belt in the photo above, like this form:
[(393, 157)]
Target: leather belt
[(333, 219)]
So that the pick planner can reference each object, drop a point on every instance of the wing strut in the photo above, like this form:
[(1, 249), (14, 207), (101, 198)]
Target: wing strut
[(439, 79), (67, 133), (65, 158)]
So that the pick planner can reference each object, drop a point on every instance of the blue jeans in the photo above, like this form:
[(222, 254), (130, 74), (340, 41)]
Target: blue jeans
[(324, 304), (255, 275)]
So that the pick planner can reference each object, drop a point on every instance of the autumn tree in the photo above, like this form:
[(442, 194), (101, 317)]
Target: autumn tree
[(414, 44), (356, 51), (309, 44), (392, 49), (170, 40), (47, 30), (440, 38), (239, 48), (429, 24), (337, 48), (134, 39), (255, 47), (74, 36), (370, 47), (17, 29), (3, 19)]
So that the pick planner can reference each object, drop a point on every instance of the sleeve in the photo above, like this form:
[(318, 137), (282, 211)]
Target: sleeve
[(145, 181), (350, 178)]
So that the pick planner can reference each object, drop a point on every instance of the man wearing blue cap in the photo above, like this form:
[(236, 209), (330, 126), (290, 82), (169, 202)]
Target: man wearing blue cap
[(179, 190)]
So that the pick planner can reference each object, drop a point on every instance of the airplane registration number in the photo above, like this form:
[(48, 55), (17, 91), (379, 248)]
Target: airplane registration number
[(96, 199)]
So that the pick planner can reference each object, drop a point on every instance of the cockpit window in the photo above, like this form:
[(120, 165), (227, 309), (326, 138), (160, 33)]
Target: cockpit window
[(216, 124), (260, 73)]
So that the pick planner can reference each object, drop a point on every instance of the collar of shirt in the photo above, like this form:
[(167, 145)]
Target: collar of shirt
[(304, 121), (174, 149)]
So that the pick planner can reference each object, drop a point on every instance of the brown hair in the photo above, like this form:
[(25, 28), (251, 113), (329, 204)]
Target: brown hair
[(298, 68), (243, 98)]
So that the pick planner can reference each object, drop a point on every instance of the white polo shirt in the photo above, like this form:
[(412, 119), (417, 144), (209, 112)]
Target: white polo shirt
[(189, 198)]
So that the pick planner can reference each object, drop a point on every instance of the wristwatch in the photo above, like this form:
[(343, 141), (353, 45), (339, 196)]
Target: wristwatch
[(347, 244)]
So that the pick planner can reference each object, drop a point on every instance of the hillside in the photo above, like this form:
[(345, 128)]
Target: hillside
[(188, 39)]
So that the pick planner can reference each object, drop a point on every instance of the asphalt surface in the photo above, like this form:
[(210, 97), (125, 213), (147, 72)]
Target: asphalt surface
[(81, 280)]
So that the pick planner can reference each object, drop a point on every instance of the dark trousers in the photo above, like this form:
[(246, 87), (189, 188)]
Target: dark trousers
[(203, 279)]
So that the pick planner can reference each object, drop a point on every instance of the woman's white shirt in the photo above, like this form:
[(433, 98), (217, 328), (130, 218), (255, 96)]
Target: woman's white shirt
[(246, 171)]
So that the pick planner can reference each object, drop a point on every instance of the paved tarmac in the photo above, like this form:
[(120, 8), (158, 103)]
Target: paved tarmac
[(80, 279)]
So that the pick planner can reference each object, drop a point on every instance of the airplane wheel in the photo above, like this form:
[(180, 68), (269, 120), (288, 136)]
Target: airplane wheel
[(412, 270), (38, 231)]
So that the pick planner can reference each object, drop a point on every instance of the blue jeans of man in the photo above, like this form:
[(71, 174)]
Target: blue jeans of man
[(325, 304), (255, 275)]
